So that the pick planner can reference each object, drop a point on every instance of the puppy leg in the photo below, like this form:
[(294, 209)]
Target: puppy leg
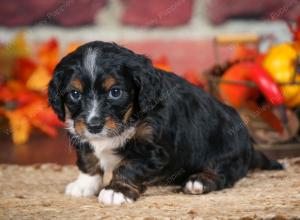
[(89, 180), (206, 181), (126, 184), (131, 177), (223, 172)]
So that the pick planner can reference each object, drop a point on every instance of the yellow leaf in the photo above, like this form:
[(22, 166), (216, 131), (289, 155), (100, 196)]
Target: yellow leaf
[(294, 102), (8, 54), (20, 127), (39, 79), (17, 47)]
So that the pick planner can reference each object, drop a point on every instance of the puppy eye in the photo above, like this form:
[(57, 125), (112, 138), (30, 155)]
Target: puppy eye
[(75, 95), (115, 93)]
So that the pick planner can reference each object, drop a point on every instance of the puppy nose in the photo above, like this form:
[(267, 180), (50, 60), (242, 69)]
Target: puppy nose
[(94, 125)]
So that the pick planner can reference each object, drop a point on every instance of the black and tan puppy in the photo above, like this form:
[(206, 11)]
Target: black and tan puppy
[(134, 125)]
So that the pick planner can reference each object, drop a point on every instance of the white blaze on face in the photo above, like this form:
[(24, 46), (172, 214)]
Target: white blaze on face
[(90, 62), (93, 109), (90, 65)]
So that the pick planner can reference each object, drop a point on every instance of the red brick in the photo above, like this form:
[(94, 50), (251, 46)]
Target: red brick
[(79, 12), (20, 12), (219, 11), (157, 12), (64, 12)]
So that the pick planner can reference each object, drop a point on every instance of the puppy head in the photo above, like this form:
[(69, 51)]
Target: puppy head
[(101, 88)]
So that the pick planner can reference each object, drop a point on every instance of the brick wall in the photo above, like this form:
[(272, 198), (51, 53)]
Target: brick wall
[(143, 13)]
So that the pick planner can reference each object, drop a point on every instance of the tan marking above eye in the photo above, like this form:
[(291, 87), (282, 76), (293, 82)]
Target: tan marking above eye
[(108, 83), (77, 84)]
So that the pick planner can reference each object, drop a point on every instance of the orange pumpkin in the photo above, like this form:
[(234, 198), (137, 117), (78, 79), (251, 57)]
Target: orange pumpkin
[(234, 94)]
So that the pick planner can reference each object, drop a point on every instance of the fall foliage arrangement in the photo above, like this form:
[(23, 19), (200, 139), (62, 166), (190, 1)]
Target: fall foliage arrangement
[(25, 71), (266, 84)]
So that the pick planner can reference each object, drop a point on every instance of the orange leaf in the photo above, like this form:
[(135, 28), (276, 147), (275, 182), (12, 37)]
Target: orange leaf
[(26, 97), (47, 116), (43, 118), (72, 47), (39, 79), (193, 78), (23, 68), (48, 54), (6, 94), (162, 63), (49, 130)]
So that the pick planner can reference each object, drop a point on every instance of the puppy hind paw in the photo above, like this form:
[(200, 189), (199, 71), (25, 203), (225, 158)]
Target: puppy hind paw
[(194, 187), (110, 197)]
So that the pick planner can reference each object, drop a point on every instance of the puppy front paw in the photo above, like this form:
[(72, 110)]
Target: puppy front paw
[(117, 193), (110, 197), (84, 186)]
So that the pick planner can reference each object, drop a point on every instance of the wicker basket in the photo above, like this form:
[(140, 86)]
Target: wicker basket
[(261, 132)]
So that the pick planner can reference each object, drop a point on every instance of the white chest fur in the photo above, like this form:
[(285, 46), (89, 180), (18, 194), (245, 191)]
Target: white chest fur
[(104, 150)]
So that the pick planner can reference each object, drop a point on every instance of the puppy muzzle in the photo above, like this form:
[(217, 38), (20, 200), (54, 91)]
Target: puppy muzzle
[(95, 125)]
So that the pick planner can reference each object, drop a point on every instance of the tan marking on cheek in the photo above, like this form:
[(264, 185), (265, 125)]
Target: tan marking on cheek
[(79, 127), (108, 83), (77, 84), (144, 132), (128, 114), (110, 123)]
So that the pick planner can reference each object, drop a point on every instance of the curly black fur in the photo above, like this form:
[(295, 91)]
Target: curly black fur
[(182, 133)]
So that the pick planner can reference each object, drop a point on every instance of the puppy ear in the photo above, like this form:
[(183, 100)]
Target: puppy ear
[(55, 94), (147, 81)]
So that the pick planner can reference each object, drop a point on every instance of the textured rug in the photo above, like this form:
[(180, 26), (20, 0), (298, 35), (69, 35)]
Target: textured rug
[(36, 192)]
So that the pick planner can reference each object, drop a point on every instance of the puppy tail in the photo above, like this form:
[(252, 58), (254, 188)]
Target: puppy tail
[(260, 161)]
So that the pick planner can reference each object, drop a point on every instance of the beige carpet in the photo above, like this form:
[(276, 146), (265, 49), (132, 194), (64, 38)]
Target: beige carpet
[(36, 192)]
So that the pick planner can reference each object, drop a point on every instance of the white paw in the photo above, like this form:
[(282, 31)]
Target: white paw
[(84, 186), (193, 187), (109, 197)]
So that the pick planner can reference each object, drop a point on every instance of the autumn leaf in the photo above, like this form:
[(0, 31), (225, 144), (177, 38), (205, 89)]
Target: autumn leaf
[(23, 84), (19, 125), (72, 47), (39, 79), (9, 53), (48, 54), (162, 63), (193, 78), (23, 68)]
